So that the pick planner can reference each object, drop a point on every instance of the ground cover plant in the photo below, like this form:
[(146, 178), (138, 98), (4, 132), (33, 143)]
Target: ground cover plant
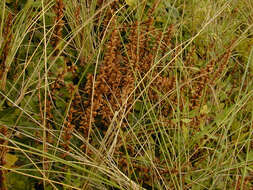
[(115, 94)]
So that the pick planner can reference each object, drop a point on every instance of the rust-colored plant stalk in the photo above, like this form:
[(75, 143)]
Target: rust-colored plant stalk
[(59, 23), (3, 151), (7, 36)]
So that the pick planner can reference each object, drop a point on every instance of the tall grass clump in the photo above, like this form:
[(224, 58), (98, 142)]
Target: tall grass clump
[(114, 94)]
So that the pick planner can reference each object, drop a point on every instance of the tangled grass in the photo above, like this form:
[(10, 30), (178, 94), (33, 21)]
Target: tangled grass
[(98, 94)]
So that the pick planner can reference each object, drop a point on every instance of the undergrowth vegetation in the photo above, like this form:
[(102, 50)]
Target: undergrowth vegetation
[(149, 94)]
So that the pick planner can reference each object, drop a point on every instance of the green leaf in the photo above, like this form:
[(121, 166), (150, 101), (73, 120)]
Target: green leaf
[(9, 115), (204, 110), (185, 120), (68, 178), (185, 132), (9, 1), (131, 3), (138, 106), (250, 61), (7, 111), (10, 160)]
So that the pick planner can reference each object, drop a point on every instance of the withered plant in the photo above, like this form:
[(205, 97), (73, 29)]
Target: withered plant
[(150, 94)]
